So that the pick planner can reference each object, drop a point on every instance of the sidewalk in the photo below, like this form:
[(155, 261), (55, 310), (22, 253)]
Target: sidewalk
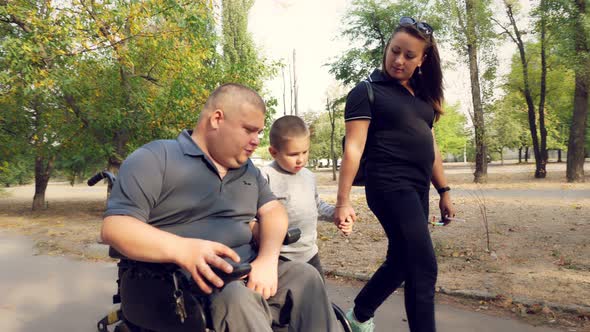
[(42, 293)]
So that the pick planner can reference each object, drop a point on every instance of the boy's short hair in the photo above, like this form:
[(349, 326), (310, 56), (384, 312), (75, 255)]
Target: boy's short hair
[(285, 128)]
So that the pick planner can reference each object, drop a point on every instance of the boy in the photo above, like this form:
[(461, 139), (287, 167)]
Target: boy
[(295, 186)]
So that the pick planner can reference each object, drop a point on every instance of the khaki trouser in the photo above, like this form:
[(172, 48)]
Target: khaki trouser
[(301, 304)]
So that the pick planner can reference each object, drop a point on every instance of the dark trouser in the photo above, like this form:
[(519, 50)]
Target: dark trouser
[(300, 304), (410, 258), (315, 262)]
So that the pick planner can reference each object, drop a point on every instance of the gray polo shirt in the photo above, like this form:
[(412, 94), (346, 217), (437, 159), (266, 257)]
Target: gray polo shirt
[(172, 185)]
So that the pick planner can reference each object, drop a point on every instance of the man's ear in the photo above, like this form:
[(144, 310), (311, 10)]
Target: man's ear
[(216, 118), (273, 151)]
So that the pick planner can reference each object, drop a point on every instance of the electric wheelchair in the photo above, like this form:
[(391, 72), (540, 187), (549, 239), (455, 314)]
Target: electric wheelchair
[(180, 304)]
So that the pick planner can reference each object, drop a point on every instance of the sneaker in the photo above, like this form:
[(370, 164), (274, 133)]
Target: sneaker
[(368, 326)]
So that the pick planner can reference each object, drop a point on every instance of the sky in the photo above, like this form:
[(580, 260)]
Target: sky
[(313, 28), (308, 26)]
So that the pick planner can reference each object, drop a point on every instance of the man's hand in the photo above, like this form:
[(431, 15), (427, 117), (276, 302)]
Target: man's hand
[(196, 256), (264, 276)]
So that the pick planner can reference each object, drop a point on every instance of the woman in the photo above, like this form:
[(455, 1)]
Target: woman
[(402, 160)]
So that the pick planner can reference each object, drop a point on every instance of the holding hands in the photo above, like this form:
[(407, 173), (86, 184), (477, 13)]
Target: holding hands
[(344, 218)]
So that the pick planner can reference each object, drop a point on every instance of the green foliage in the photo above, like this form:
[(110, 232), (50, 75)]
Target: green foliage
[(241, 62), (17, 171), (262, 152), (321, 128), (459, 35), (505, 127), (562, 22), (455, 31), (91, 81), (559, 95), (450, 132)]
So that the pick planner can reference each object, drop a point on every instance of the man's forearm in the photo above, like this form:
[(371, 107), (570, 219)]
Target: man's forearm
[(273, 227), (138, 240)]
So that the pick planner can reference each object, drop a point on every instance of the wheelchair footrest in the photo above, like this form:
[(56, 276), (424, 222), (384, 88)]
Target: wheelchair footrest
[(110, 319)]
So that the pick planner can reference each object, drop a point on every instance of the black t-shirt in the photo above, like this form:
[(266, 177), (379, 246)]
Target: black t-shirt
[(399, 148)]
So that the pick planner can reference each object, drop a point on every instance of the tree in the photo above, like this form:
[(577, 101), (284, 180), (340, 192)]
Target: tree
[(152, 63), (368, 24), (324, 139), (450, 132), (33, 37), (581, 34), (241, 61), (93, 80), (515, 34), (504, 129), (472, 37)]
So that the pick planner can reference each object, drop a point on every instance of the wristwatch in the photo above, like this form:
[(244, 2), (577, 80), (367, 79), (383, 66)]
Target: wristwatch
[(443, 190)]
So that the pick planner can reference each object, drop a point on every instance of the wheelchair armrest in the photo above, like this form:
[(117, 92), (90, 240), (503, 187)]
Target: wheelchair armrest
[(239, 271), (292, 236), (114, 253)]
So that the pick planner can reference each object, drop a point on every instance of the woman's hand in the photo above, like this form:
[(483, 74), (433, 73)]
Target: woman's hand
[(446, 207), (344, 215)]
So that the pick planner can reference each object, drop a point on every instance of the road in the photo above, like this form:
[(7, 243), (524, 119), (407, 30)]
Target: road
[(42, 293)]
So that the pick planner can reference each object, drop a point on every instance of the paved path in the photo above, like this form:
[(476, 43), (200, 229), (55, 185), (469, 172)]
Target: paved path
[(558, 194), (41, 293)]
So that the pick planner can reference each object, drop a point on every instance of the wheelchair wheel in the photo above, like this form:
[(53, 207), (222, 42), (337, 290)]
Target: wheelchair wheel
[(341, 316), (128, 327), (122, 328)]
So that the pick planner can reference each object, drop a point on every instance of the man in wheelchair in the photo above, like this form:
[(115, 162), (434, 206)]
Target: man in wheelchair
[(187, 203)]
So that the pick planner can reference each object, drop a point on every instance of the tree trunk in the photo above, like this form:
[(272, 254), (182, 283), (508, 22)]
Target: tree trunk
[(295, 88), (333, 153), (526, 155), (559, 156), (43, 168), (481, 166), (520, 155), (332, 115), (502, 156), (540, 171), (575, 151), (284, 92)]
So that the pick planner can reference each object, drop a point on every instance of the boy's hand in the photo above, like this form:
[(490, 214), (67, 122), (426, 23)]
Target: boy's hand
[(346, 226)]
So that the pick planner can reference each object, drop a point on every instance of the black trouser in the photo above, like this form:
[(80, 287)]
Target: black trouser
[(410, 258)]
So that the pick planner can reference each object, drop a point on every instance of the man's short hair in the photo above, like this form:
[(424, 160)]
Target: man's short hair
[(285, 128), (231, 93)]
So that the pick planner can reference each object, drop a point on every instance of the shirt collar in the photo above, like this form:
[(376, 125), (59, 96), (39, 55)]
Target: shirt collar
[(188, 145), (379, 76)]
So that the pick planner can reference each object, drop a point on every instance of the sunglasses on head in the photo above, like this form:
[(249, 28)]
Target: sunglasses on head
[(423, 27)]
